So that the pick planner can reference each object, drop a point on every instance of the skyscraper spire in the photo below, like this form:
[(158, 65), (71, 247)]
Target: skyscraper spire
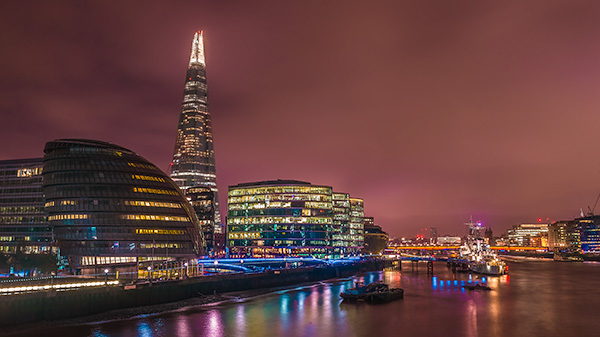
[(194, 158), (197, 55)]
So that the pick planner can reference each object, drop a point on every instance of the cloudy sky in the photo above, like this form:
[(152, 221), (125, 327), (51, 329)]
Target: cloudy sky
[(431, 111)]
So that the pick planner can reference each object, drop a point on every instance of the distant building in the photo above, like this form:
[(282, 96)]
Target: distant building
[(529, 235), (279, 218), (202, 200), (433, 236), (24, 224), (193, 162), (375, 239), (589, 233), (563, 236), (449, 240), (111, 208)]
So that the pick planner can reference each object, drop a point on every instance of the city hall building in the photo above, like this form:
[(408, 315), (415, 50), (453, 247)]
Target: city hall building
[(110, 207)]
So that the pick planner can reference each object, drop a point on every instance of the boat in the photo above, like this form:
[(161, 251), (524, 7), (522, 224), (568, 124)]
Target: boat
[(477, 253), (375, 292), (388, 295), (477, 287)]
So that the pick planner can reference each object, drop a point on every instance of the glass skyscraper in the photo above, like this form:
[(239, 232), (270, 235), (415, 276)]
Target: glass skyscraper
[(194, 157)]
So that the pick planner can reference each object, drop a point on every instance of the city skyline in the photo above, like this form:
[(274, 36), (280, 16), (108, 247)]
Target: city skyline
[(429, 112)]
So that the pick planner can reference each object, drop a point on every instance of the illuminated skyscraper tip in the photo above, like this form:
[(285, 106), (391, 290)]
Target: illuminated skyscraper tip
[(197, 55)]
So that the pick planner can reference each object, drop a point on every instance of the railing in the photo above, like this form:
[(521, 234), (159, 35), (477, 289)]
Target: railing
[(55, 287)]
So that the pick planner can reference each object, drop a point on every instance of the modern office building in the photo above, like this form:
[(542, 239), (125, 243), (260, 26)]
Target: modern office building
[(341, 238), (589, 234), (109, 207), (279, 218), (23, 222), (563, 236), (531, 235), (194, 157), (357, 213)]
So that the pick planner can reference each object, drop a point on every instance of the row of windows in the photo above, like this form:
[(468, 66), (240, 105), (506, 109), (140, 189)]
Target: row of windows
[(276, 220), (101, 191), (154, 217), (295, 212), (279, 189), (104, 165), (67, 217), (154, 191), (23, 219), (276, 243), (107, 204), (20, 190), (104, 177), (279, 197), (148, 178), (279, 227), (159, 231)]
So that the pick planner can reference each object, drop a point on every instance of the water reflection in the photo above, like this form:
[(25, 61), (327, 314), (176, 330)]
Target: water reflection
[(548, 299)]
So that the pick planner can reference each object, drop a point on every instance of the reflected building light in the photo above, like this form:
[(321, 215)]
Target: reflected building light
[(183, 326), (240, 320), (144, 330), (215, 325)]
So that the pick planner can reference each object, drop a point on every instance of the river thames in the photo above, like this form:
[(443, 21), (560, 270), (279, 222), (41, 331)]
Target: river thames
[(538, 298)]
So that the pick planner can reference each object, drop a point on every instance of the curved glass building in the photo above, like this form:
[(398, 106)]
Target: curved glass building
[(279, 218), (110, 207)]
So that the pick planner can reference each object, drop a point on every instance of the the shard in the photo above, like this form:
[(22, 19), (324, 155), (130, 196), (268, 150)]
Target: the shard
[(194, 157)]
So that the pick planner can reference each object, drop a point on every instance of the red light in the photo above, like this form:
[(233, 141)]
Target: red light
[(539, 219)]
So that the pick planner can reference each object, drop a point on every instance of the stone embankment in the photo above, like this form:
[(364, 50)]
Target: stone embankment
[(48, 306)]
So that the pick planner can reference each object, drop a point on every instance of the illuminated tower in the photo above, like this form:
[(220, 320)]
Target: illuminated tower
[(194, 158)]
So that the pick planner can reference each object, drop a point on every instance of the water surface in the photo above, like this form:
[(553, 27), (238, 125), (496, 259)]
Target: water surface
[(538, 298)]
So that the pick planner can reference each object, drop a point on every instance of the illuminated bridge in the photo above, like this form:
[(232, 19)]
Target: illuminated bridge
[(456, 248)]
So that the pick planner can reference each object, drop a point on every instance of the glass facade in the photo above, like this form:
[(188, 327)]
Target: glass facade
[(589, 231), (108, 205), (193, 162), (563, 236), (357, 213), (280, 218), (23, 222), (202, 200), (341, 223)]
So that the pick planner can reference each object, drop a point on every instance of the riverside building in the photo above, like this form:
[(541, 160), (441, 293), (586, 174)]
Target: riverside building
[(111, 208), (357, 213), (564, 236), (532, 235), (193, 162), (279, 218), (341, 238), (23, 222)]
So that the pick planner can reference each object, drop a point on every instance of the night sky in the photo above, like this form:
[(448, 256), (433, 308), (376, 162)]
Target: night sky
[(431, 111)]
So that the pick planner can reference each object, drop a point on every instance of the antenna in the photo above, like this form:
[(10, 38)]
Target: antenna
[(596, 203)]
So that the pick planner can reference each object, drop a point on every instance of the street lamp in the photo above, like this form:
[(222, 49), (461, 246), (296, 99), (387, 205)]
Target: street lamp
[(149, 274), (105, 276)]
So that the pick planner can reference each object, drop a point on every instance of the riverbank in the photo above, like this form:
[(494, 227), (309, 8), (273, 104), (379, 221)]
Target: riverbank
[(69, 305)]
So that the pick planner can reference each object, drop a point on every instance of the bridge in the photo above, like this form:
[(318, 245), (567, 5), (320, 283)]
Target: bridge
[(456, 248)]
